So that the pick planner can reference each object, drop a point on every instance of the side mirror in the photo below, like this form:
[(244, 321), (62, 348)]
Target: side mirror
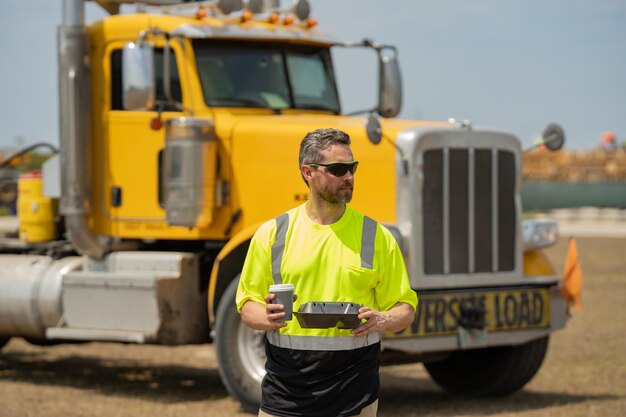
[(553, 137), (138, 76), (389, 83)]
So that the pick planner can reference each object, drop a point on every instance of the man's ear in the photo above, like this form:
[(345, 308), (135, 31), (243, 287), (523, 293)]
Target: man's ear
[(307, 172)]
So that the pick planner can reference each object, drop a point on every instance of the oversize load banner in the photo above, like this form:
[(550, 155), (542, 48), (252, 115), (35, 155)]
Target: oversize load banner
[(438, 313)]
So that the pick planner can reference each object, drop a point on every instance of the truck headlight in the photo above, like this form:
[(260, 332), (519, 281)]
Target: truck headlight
[(539, 233)]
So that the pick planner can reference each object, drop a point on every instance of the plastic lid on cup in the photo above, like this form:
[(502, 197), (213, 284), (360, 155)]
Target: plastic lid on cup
[(281, 287)]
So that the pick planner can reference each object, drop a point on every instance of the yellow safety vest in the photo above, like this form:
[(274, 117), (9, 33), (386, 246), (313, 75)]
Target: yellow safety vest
[(352, 260)]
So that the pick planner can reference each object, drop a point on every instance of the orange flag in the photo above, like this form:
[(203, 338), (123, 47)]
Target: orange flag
[(572, 277)]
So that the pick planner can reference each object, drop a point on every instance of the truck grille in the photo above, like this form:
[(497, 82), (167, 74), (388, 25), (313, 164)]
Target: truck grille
[(469, 212)]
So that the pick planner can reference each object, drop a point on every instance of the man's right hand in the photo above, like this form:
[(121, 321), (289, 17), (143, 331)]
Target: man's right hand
[(263, 317)]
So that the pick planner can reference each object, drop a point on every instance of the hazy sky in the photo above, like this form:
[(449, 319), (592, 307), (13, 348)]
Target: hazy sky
[(514, 65)]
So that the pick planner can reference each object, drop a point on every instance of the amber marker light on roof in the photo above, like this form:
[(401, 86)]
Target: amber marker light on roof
[(201, 13), (311, 22), (246, 16), (273, 17), (288, 20)]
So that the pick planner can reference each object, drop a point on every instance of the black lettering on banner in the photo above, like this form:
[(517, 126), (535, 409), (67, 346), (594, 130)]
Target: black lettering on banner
[(453, 309), (428, 316), (537, 308), (432, 323), (524, 309), (499, 323), (440, 312), (510, 310)]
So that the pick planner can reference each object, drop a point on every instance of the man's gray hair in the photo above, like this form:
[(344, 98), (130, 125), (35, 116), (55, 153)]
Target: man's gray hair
[(317, 141)]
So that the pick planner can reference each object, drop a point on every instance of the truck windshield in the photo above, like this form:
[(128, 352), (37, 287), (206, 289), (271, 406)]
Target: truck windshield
[(268, 75)]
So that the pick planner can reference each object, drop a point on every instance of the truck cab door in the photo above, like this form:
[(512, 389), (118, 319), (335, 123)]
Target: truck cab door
[(131, 191)]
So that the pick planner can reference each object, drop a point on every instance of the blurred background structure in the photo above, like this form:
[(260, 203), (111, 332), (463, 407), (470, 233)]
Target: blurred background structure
[(575, 178)]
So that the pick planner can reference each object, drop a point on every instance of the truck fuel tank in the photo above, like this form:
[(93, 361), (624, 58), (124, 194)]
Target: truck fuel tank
[(30, 293)]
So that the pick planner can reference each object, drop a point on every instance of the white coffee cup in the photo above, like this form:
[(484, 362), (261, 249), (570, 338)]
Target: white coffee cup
[(284, 296)]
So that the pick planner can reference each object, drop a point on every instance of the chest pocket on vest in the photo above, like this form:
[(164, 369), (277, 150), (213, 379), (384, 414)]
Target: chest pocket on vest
[(357, 280)]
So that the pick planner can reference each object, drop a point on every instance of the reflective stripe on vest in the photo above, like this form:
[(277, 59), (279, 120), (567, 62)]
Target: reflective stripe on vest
[(368, 235), (278, 248), (328, 343), (367, 243)]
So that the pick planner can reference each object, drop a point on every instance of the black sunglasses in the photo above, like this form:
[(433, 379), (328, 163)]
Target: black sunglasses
[(339, 169)]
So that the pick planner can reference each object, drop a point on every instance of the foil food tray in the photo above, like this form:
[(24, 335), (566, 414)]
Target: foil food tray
[(325, 315)]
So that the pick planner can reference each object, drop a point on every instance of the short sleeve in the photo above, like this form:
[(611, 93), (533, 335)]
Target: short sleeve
[(393, 285), (256, 275)]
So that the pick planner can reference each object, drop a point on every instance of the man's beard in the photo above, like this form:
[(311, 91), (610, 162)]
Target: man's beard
[(337, 196)]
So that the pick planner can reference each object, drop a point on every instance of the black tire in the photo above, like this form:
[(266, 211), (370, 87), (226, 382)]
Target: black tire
[(240, 353), (4, 341), (496, 371), (48, 342)]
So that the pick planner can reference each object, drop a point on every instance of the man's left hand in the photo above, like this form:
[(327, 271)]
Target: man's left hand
[(396, 319), (376, 322)]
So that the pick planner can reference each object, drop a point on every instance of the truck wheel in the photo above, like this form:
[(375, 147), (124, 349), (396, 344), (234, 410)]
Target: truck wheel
[(48, 342), (240, 352), (491, 371), (4, 341)]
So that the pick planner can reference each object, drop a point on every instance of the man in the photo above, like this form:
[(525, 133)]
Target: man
[(329, 252)]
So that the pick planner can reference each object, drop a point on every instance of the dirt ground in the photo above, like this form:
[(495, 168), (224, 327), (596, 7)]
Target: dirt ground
[(584, 373)]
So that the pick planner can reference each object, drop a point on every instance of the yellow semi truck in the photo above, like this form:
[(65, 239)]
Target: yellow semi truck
[(180, 125)]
